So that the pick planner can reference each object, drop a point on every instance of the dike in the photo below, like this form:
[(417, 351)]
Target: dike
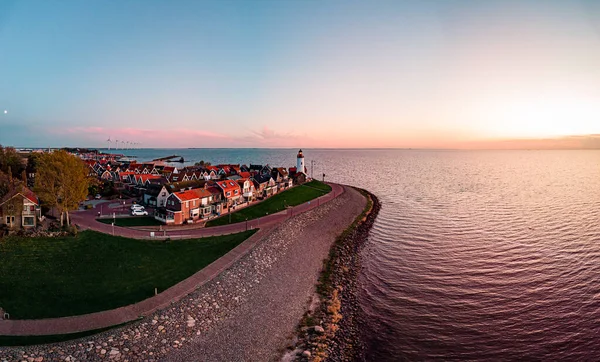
[(329, 330)]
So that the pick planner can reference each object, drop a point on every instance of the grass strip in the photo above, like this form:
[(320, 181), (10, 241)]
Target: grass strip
[(292, 197)]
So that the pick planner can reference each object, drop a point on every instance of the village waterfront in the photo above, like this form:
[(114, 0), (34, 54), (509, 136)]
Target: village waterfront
[(474, 254)]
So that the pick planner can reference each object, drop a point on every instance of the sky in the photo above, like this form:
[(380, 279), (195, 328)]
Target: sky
[(351, 74)]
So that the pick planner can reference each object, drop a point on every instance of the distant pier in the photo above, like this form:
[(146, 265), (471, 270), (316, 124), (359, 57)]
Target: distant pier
[(172, 158)]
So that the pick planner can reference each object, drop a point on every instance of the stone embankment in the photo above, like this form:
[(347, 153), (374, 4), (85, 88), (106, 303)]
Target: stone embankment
[(329, 331), (249, 312)]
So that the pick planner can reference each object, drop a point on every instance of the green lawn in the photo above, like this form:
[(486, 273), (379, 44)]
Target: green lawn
[(132, 221), (57, 277), (292, 197)]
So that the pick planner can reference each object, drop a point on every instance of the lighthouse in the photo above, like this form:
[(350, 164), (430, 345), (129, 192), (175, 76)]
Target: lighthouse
[(300, 163)]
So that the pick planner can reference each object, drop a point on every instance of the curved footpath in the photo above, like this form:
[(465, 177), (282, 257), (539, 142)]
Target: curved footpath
[(244, 313), (108, 318), (87, 220)]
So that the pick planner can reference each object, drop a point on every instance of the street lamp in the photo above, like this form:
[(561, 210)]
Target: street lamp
[(312, 167)]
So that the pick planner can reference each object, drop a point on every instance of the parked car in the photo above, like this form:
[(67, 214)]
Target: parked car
[(139, 213), (137, 207), (98, 197)]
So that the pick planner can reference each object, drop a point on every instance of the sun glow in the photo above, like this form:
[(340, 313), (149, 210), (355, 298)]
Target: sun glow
[(544, 116)]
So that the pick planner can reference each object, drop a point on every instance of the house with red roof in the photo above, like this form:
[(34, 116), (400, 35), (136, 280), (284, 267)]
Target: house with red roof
[(186, 206), (20, 208), (127, 177), (232, 193), (167, 171)]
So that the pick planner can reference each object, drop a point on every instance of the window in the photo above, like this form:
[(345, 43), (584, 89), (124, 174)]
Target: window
[(228, 193), (236, 192), (28, 221), (31, 208)]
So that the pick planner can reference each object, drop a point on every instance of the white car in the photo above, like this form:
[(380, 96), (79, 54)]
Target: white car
[(137, 207), (139, 213)]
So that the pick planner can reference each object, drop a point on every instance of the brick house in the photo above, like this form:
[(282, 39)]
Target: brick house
[(232, 193), (20, 209), (186, 206)]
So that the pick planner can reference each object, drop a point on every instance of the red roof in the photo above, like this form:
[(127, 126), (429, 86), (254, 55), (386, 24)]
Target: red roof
[(202, 193), (25, 192), (228, 185), (187, 195), (30, 195), (147, 177), (245, 174)]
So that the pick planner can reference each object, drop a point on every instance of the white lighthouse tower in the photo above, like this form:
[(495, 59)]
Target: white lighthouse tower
[(300, 163)]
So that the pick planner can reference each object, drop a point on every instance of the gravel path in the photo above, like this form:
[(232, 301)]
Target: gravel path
[(280, 274), (245, 314)]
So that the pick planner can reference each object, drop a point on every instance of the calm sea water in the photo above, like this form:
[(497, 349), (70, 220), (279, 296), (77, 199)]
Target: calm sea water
[(486, 255)]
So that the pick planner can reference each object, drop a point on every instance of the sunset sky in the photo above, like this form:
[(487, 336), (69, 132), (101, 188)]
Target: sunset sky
[(431, 74)]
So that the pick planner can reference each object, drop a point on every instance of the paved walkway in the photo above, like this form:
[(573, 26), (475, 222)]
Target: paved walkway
[(92, 321)]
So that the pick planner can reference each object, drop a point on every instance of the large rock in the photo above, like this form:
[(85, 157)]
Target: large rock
[(319, 329)]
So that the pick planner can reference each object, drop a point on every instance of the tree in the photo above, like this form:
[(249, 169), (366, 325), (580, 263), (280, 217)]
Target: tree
[(10, 159), (202, 163), (8, 188), (5, 184), (62, 181), (31, 168)]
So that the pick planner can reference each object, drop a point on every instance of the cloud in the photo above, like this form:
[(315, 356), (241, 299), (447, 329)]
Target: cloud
[(167, 137), (267, 137), (268, 134)]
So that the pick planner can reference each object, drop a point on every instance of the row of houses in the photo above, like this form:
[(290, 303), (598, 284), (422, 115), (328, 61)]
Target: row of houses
[(197, 193)]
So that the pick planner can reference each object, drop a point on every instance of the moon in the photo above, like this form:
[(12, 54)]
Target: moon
[(5, 111)]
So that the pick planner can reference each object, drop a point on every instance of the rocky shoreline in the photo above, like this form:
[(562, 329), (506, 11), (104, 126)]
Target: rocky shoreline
[(329, 330)]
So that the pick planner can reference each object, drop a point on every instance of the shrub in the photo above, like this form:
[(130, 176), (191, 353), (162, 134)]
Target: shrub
[(72, 229)]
